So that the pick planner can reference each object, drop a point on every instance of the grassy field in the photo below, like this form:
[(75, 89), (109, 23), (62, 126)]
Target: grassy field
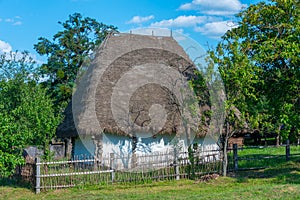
[(271, 150), (263, 157), (281, 182)]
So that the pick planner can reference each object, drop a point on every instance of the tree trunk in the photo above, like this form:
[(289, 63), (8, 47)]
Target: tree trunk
[(225, 157), (134, 148), (278, 137), (266, 143), (47, 154)]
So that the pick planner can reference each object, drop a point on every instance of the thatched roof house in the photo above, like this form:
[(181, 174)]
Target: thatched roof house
[(127, 91)]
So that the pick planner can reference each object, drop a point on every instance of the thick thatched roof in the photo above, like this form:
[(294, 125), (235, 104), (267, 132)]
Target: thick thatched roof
[(122, 57)]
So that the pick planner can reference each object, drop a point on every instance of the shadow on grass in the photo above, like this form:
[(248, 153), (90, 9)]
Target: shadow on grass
[(252, 161), (288, 172), (14, 182)]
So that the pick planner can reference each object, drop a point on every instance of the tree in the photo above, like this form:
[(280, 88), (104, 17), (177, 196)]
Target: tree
[(268, 33), (67, 52), (236, 73), (26, 112), (259, 64)]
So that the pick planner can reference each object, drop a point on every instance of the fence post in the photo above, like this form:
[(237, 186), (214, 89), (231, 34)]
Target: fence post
[(235, 157), (112, 164), (287, 150), (176, 164), (37, 175)]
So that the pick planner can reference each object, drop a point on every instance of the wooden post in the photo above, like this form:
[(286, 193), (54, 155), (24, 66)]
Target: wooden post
[(37, 175), (235, 156), (112, 164), (287, 150), (176, 165), (134, 156), (68, 148), (97, 139)]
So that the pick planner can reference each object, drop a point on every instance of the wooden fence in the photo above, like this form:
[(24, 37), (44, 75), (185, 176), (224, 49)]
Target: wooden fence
[(122, 169), (113, 168)]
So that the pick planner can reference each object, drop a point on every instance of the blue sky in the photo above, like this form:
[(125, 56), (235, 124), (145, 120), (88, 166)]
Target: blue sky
[(22, 22)]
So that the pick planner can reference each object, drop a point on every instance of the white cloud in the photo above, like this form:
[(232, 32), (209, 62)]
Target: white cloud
[(215, 29), (139, 19), (210, 17), (5, 47), (152, 31), (182, 21), (216, 7), (186, 6), (9, 20), (180, 30), (15, 21)]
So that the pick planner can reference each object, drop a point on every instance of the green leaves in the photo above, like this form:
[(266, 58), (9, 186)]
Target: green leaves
[(68, 50), (259, 64), (26, 112), (17, 65)]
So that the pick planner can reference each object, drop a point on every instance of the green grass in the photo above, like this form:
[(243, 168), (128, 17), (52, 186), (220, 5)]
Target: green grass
[(263, 157), (280, 182), (268, 150)]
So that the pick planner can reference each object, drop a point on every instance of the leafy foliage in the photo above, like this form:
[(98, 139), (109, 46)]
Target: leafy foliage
[(68, 51), (259, 64), (16, 65), (26, 112)]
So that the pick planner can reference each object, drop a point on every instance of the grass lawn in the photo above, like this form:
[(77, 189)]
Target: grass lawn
[(271, 150), (263, 157), (281, 182)]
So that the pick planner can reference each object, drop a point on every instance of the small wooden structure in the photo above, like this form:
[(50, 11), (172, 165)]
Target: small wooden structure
[(236, 140)]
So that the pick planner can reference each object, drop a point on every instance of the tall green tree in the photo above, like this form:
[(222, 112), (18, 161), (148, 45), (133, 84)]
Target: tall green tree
[(259, 62), (239, 77), (67, 52), (26, 111), (270, 33)]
